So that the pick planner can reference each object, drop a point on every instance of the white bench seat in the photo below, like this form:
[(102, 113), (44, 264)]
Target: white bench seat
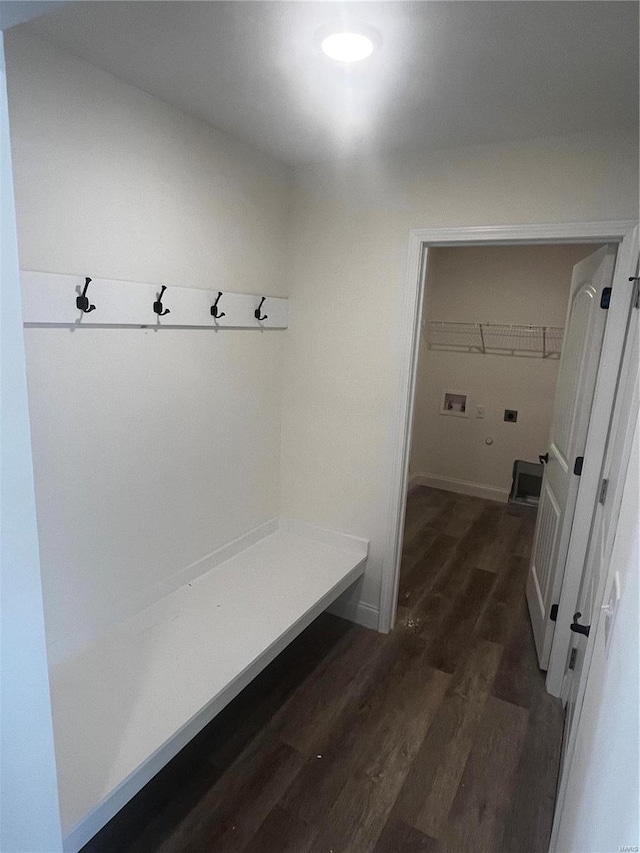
[(127, 705)]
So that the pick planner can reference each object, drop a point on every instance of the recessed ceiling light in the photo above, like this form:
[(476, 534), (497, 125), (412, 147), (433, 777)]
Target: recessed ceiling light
[(347, 47)]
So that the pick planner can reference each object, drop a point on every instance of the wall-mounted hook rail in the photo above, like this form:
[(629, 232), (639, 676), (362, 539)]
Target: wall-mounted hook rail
[(158, 306), (82, 301), (49, 299), (256, 313), (214, 308)]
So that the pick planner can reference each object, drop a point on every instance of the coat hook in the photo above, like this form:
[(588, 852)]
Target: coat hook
[(82, 301), (157, 305), (214, 308), (256, 313)]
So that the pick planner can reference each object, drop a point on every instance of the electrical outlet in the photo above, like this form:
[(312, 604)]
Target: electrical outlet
[(480, 411), (511, 415)]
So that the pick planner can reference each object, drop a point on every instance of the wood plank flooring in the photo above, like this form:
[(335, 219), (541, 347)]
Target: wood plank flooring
[(439, 737)]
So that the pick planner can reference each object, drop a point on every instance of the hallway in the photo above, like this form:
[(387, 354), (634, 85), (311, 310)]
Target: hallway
[(439, 737)]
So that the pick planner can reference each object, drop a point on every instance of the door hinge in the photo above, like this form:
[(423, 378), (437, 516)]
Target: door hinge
[(572, 659), (577, 465), (603, 491), (636, 291), (605, 299), (553, 615)]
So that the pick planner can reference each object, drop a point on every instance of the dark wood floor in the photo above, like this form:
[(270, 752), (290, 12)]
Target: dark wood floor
[(438, 737)]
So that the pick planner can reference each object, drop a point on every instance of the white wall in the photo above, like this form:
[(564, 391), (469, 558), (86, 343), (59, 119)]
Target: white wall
[(29, 813), (107, 177), (113, 183), (601, 813), (152, 449), (19, 11), (526, 285), (349, 240)]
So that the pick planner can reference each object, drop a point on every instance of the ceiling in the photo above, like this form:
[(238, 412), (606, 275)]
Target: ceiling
[(446, 73)]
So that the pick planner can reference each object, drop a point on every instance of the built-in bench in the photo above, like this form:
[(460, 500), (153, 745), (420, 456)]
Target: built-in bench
[(124, 707)]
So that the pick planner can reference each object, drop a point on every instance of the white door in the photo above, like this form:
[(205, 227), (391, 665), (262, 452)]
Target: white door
[(603, 528), (601, 582), (584, 330)]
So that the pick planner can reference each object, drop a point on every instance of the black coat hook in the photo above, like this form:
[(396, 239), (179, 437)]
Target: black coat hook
[(214, 308), (256, 313), (157, 305), (82, 301)]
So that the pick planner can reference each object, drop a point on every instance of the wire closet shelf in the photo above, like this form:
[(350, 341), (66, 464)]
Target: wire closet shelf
[(495, 338)]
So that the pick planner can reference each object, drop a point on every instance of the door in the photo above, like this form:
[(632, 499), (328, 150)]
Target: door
[(601, 584), (614, 471), (584, 330)]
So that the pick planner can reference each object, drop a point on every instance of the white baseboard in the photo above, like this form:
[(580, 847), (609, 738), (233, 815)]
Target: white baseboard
[(356, 611), (462, 487), (415, 480)]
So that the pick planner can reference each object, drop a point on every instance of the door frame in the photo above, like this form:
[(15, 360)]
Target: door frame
[(622, 232)]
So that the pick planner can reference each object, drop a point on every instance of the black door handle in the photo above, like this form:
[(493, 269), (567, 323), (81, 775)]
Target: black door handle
[(579, 629), (544, 458)]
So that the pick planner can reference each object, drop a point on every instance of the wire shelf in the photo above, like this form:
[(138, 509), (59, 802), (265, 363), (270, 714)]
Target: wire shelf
[(495, 338)]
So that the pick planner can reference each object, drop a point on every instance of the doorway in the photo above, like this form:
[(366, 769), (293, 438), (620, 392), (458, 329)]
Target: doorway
[(492, 330), (518, 430), (474, 533), (421, 244), (490, 341), (491, 335)]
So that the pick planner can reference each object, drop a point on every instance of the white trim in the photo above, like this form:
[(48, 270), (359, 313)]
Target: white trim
[(562, 232), (407, 353), (355, 611), (461, 487), (407, 358), (415, 480)]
